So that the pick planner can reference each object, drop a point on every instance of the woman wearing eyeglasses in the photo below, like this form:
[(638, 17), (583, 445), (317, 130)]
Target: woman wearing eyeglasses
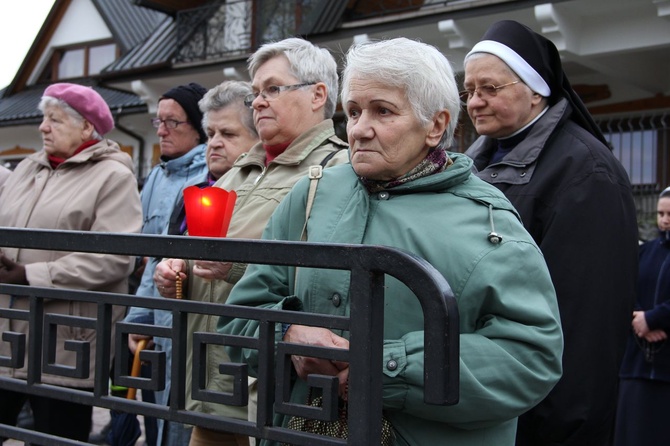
[(294, 91), (178, 125), (541, 147)]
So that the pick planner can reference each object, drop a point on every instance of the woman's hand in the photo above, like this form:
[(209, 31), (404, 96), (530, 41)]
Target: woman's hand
[(165, 276), (655, 336), (12, 272), (211, 270), (133, 339), (306, 365), (640, 327)]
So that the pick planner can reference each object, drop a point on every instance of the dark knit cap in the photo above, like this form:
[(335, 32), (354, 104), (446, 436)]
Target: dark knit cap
[(536, 60), (188, 96)]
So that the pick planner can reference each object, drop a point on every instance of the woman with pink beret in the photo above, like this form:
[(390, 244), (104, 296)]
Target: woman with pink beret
[(80, 181)]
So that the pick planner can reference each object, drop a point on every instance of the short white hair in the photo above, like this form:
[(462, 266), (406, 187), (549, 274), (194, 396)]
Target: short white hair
[(228, 93), (308, 63), (421, 70)]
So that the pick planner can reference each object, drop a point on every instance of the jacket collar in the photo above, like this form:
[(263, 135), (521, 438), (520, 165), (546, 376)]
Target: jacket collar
[(104, 149), (298, 150), (195, 156), (459, 180), (530, 148)]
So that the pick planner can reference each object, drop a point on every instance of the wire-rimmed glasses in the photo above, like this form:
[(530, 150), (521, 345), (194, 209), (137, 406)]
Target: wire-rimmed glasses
[(272, 92), (168, 123), (483, 91)]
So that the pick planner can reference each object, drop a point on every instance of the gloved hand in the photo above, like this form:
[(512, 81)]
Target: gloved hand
[(12, 272)]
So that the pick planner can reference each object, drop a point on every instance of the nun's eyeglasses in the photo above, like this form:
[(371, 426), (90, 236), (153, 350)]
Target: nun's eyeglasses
[(483, 91), (272, 92)]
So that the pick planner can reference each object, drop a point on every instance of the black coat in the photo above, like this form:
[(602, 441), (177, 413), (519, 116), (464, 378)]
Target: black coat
[(575, 199), (653, 297)]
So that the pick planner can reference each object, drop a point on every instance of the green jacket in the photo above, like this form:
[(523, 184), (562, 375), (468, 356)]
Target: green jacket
[(259, 190), (511, 340)]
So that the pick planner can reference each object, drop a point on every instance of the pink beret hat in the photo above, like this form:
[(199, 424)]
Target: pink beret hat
[(87, 102)]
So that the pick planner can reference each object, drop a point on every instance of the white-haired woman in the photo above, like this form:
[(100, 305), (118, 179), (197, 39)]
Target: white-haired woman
[(294, 89), (402, 105), (80, 182)]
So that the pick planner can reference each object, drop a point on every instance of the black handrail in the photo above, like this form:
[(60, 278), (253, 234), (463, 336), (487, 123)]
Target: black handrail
[(368, 265)]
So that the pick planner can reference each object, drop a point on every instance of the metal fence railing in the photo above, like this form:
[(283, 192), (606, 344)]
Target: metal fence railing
[(368, 266)]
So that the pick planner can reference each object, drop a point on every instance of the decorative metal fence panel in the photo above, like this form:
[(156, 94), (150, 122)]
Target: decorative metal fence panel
[(368, 266)]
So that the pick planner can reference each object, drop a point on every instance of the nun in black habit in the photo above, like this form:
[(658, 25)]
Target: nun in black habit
[(541, 147), (644, 389)]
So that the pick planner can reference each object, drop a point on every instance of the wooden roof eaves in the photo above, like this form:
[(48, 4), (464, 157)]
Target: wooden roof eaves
[(118, 76)]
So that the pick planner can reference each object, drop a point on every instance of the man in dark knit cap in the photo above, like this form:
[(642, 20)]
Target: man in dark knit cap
[(541, 147), (178, 124)]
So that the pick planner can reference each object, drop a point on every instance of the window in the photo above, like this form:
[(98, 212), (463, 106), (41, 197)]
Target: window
[(79, 61), (71, 64), (641, 144), (99, 57), (637, 151)]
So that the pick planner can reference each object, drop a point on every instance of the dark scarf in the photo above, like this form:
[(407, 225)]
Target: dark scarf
[(56, 161), (436, 161), (505, 145), (664, 237)]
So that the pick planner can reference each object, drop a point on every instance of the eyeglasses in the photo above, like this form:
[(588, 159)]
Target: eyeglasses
[(272, 92), (168, 123), (484, 91)]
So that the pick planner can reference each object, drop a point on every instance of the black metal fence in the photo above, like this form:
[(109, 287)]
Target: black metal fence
[(368, 266)]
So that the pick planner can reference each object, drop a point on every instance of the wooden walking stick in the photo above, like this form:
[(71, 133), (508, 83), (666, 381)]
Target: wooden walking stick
[(135, 370)]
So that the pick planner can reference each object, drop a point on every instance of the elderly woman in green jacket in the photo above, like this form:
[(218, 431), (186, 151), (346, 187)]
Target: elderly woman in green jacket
[(402, 112)]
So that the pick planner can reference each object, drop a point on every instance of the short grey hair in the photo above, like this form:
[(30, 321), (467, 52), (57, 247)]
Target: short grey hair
[(228, 93), (49, 101), (421, 70), (308, 63)]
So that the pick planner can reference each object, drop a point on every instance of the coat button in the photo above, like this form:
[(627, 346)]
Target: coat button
[(337, 300), (494, 175), (392, 364), (522, 174), (383, 195)]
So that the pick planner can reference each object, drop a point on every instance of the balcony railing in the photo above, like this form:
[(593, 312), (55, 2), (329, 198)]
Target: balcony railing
[(224, 29)]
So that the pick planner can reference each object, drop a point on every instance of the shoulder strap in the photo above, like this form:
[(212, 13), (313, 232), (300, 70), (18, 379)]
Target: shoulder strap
[(328, 157), (315, 172)]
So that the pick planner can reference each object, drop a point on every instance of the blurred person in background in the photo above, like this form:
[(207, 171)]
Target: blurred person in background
[(644, 390)]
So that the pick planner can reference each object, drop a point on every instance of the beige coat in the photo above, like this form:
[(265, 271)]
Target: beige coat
[(4, 174), (259, 190), (95, 190)]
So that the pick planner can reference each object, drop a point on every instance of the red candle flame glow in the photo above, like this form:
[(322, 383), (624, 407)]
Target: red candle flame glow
[(208, 210)]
